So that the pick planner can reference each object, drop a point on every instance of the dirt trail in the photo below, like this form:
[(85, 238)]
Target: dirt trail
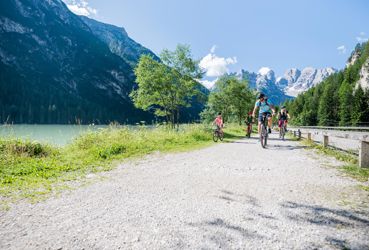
[(230, 196)]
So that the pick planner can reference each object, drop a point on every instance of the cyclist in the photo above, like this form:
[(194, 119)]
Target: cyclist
[(219, 122), (283, 117), (248, 121), (264, 107)]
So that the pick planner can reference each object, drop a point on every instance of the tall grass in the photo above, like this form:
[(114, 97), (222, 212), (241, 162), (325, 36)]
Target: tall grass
[(31, 170)]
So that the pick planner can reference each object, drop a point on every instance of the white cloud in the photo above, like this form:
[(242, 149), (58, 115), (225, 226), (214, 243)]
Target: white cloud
[(208, 84), (214, 65), (362, 37), (80, 7), (341, 49)]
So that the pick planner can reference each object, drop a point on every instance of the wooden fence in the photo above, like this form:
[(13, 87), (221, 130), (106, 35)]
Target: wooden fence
[(359, 134)]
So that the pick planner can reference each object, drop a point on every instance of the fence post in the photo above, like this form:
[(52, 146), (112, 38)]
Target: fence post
[(299, 133), (309, 136), (325, 141), (294, 133), (364, 154)]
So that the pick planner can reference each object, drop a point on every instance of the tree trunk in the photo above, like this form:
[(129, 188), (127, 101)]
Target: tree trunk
[(177, 118), (172, 118)]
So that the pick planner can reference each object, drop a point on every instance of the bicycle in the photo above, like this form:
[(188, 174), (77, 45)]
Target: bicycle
[(218, 135), (248, 130), (264, 130), (282, 130)]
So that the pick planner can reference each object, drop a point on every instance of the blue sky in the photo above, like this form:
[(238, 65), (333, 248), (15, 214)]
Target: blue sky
[(242, 34)]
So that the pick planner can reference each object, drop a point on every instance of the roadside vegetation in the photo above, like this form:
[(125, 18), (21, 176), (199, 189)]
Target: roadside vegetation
[(33, 170), (165, 87), (351, 168)]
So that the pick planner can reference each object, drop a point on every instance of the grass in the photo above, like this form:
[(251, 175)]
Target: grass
[(339, 155), (31, 170), (361, 174), (233, 131), (351, 168)]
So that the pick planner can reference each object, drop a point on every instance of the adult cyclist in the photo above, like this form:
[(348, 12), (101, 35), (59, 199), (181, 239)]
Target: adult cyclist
[(283, 117), (264, 107)]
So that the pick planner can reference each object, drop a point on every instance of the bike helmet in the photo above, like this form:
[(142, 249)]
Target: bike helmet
[(261, 96), (283, 107)]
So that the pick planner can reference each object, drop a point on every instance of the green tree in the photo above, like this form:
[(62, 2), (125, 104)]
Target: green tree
[(168, 85), (365, 117), (359, 106), (346, 100), (241, 98), (326, 114), (230, 96), (184, 71)]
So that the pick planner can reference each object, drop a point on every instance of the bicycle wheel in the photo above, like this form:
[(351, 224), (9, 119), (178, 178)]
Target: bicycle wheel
[(221, 136), (266, 137), (280, 133), (263, 134), (215, 136), (283, 132)]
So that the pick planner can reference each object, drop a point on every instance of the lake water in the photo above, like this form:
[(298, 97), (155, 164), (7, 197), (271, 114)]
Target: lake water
[(58, 135)]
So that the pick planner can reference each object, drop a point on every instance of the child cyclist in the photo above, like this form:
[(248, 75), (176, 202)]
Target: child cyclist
[(219, 122)]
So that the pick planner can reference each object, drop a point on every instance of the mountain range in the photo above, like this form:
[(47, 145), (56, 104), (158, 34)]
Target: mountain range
[(57, 67), (342, 99), (288, 86)]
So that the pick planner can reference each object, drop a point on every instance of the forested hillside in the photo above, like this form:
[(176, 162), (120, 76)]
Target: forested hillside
[(59, 68), (340, 100)]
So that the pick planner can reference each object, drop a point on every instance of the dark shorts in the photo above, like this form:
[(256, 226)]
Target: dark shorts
[(268, 114), (282, 121)]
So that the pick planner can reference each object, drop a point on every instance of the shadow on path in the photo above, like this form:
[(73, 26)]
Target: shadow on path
[(285, 147), (223, 234), (333, 218), (326, 216)]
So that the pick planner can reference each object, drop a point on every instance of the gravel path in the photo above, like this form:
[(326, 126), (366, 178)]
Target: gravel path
[(229, 196)]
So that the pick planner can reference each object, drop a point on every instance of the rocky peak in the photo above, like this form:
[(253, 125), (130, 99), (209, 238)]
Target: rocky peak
[(266, 74), (364, 76), (289, 77), (356, 54), (307, 78), (118, 41)]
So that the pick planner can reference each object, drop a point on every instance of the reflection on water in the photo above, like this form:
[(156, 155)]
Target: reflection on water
[(58, 135)]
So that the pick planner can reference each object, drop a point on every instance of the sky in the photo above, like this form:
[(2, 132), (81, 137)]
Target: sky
[(228, 36)]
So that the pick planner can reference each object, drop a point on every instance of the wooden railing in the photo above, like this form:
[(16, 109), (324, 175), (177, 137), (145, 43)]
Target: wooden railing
[(359, 134)]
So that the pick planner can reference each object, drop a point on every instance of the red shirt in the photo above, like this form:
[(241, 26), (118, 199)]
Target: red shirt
[(218, 121)]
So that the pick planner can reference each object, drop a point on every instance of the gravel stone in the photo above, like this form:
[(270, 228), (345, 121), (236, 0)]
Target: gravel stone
[(228, 196)]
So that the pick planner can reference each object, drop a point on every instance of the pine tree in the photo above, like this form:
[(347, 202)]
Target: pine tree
[(326, 110), (345, 99), (365, 116), (359, 107)]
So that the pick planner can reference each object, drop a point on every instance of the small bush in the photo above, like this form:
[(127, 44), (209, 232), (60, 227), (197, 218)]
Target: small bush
[(114, 149), (29, 149)]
